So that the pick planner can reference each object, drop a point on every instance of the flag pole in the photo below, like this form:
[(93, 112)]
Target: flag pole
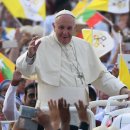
[(119, 35), (19, 23)]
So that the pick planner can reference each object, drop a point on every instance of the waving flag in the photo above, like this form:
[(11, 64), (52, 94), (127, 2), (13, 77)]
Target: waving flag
[(27, 9), (79, 8), (6, 67), (101, 41), (113, 6), (124, 74), (90, 17)]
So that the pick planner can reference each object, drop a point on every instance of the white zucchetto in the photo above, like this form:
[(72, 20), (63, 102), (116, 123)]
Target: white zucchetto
[(62, 12)]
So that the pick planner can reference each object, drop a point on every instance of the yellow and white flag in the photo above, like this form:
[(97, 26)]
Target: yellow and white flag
[(79, 8), (124, 74), (101, 41), (113, 6), (28, 9)]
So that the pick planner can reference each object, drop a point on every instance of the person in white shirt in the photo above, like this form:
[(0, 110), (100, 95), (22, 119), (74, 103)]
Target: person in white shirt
[(10, 109)]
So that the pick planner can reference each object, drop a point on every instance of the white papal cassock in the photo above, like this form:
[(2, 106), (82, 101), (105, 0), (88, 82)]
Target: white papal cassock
[(65, 71)]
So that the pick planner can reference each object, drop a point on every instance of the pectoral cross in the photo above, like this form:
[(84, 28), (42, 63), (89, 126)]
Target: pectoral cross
[(81, 76)]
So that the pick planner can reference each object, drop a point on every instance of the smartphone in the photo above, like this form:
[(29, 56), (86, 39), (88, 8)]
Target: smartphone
[(27, 112)]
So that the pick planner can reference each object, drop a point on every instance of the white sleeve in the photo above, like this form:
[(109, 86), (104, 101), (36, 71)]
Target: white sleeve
[(108, 84), (9, 105), (26, 65)]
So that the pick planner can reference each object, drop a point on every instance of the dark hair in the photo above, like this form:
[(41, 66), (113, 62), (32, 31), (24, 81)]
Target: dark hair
[(30, 86), (92, 93)]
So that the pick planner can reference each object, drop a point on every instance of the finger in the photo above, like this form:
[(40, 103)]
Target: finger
[(35, 38), (65, 103), (55, 104), (81, 104), (76, 105), (37, 42), (35, 119), (50, 104), (60, 103)]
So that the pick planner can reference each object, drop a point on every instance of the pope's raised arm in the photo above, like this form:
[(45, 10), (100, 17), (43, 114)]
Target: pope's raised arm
[(33, 46)]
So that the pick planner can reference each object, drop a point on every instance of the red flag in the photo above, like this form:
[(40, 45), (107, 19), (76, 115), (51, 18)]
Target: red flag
[(97, 17), (1, 77)]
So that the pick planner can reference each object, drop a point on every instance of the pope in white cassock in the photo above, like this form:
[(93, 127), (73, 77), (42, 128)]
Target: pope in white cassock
[(65, 65)]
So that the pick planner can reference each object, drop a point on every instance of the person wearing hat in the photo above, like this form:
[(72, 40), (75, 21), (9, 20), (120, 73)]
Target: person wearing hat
[(65, 65)]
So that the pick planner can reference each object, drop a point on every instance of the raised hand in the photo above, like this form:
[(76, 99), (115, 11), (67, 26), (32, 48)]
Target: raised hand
[(54, 114), (82, 113), (32, 49), (64, 114), (115, 70), (43, 119), (16, 78)]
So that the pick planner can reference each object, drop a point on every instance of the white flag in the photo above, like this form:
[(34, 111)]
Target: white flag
[(113, 6), (31, 8), (28, 9), (102, 42)]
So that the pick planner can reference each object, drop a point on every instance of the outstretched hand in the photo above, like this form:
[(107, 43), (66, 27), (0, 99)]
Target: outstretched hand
[(64, 111), (16, 78), (82, 112), (33, 46), (43, 119), (54, 114)]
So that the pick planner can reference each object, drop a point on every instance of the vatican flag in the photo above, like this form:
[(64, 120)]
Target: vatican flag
[(28, 9), (124, 74), (113, 6), (101, 41), (79, 8)]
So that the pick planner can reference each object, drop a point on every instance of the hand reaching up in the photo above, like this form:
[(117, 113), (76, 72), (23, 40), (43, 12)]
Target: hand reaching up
[(32, 49), (64, 114), (54, 114), (82, 111), (43, 119)]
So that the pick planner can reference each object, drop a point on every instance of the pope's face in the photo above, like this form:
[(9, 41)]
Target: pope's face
[(64, 28)]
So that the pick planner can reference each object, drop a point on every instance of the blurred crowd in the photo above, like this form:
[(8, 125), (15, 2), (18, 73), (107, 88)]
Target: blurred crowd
[(26, 91)]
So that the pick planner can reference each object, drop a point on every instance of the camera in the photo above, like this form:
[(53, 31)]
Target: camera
[(27, 112)]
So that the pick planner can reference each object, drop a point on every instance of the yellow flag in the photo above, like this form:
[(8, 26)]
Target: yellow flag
[(31, 9), (88, 35), (80, 7), (113, 6), (7, 62), (124, 74), (98, 5)]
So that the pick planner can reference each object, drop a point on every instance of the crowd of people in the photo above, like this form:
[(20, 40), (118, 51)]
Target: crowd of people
[(59, 70)]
